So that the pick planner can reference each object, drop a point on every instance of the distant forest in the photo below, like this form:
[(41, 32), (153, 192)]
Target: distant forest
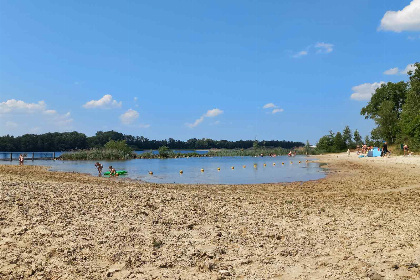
[(68, 141)]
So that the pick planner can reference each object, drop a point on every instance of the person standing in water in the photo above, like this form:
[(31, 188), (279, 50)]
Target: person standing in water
[(21, 159), (99, 167)]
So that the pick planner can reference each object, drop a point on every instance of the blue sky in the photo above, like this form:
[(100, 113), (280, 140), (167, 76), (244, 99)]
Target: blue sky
[(216, 69)]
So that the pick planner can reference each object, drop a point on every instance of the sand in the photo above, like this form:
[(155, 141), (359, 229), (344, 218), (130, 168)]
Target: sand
[(360, 222)]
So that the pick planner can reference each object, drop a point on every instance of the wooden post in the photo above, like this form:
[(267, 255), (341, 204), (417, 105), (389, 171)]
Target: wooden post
[(53, 155), (11, 156), (33, 156)]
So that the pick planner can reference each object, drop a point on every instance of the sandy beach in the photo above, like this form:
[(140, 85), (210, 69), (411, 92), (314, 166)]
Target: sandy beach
[(360, 222)]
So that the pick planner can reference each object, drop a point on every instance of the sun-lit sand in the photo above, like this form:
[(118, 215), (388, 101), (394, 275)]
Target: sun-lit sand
[(361, 222)]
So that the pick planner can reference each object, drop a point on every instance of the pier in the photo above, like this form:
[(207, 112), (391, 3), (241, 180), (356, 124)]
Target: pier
[(11, 156)]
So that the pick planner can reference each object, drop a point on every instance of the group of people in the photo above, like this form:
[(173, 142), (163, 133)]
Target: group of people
[(112, 171), (384, 151), (365, 149)]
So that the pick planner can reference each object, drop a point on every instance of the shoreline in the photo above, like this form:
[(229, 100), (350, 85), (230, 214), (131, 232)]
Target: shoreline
[(359, 222)]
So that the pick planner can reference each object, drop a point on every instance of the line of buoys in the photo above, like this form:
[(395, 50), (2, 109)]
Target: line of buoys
[(233, 167)]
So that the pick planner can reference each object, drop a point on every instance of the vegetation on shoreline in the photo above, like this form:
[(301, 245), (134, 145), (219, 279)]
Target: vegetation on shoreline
[(395, 109), (70, 141), (113, 150)]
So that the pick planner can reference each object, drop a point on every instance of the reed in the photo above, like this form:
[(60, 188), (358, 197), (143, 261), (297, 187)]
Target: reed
[(98, 154), (248, 152)]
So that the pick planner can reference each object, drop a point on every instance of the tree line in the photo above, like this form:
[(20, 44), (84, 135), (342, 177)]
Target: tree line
[(395, 109), (68, 141)]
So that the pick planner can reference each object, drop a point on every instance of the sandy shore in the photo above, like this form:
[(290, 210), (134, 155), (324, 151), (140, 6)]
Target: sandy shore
[(361, 222)]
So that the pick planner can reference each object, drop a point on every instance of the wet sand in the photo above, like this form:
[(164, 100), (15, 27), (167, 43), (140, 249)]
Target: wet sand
[(360, 222)]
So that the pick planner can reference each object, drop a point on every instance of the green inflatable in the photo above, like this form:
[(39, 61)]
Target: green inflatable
[(119, 172)]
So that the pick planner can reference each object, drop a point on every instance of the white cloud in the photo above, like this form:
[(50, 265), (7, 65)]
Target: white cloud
[(269, 105), (324, 47), (273, 106), (210, 114), (364, 91), (397, 71), (300, 54), (410, 67), (105, 102), (392, 71), (275, 111), (13, 105), (20, 116), (407, 19), (129, 117), (213, 113)]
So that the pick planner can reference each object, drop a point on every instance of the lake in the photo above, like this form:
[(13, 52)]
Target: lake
[(167, 170)]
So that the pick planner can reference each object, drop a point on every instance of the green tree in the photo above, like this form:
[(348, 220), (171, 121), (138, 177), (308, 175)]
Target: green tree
[(255, 144), (385, 107), (325, 143), (410, 116), (118, 146), (164, 152), (339, 143), (307, 147), (357, 138), (347, 137), (368, 141)]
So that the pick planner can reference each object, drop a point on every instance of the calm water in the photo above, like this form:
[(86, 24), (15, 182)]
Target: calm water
[(167, 170)]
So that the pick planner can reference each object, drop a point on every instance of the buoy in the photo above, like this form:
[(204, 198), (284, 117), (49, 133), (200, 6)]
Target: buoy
[(218, 168), (274, 163), (150, 172), (306, 160), (244, 166), (255, 166), (202, 170), (291, 162), (299, 161), (233, 167), (282, 163), (265, 164), (180, 172)]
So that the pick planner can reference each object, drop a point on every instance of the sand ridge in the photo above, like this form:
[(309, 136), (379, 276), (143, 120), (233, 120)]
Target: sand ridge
[(361, 222)]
